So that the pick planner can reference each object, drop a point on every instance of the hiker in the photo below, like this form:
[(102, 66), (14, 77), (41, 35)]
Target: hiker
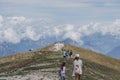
[(64, 53), (62, 71), (70, 54), (67, 54), (77, 71), (30, 49)]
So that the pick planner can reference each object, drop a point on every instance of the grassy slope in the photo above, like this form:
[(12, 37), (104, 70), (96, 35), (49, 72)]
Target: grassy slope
[(96, 57), (96, 66)]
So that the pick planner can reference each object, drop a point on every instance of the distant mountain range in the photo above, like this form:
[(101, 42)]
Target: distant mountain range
[(24, 46), (5, 49), (100, 43), (70, 41), (115, 52), (96, 42)]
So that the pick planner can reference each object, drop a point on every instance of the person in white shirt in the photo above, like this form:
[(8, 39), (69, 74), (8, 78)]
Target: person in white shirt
[(77, 71)]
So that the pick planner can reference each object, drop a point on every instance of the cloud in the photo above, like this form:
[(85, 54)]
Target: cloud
[(11, 36), (63, 3), (17, 28), (1, 19), (31, 34)]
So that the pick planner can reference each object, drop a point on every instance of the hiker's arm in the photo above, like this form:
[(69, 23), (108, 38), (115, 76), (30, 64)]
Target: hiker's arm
[(83, 65)]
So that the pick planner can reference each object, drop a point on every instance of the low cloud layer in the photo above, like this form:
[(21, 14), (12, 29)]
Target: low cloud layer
[(14, 29)]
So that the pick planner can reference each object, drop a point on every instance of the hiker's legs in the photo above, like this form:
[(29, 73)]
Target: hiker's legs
[(64, 57), (63, 76), (77, 76)]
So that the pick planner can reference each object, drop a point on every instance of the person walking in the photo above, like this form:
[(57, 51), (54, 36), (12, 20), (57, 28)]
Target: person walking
[(62, 71), (64, 53), (77, 70), (67, 54), (70, 54)]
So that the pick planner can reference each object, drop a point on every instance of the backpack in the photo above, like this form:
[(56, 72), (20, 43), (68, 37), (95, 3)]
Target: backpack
[(77, 69)]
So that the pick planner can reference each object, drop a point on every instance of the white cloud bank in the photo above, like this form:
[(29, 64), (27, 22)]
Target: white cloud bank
[(15, 29)]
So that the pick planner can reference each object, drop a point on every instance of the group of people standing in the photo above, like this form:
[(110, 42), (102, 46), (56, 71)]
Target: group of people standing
[(67, 54), (77, 65)]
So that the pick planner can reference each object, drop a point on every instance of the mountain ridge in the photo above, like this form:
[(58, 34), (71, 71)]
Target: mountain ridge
[(96, 66)]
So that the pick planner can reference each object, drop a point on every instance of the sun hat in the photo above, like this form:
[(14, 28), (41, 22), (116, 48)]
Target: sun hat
[(77, 55)]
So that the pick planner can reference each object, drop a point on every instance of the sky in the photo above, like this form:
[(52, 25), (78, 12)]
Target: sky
[(33, 19), (63, 11)]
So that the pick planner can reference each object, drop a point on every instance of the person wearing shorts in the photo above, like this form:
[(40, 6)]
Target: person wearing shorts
[(63, 71)]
